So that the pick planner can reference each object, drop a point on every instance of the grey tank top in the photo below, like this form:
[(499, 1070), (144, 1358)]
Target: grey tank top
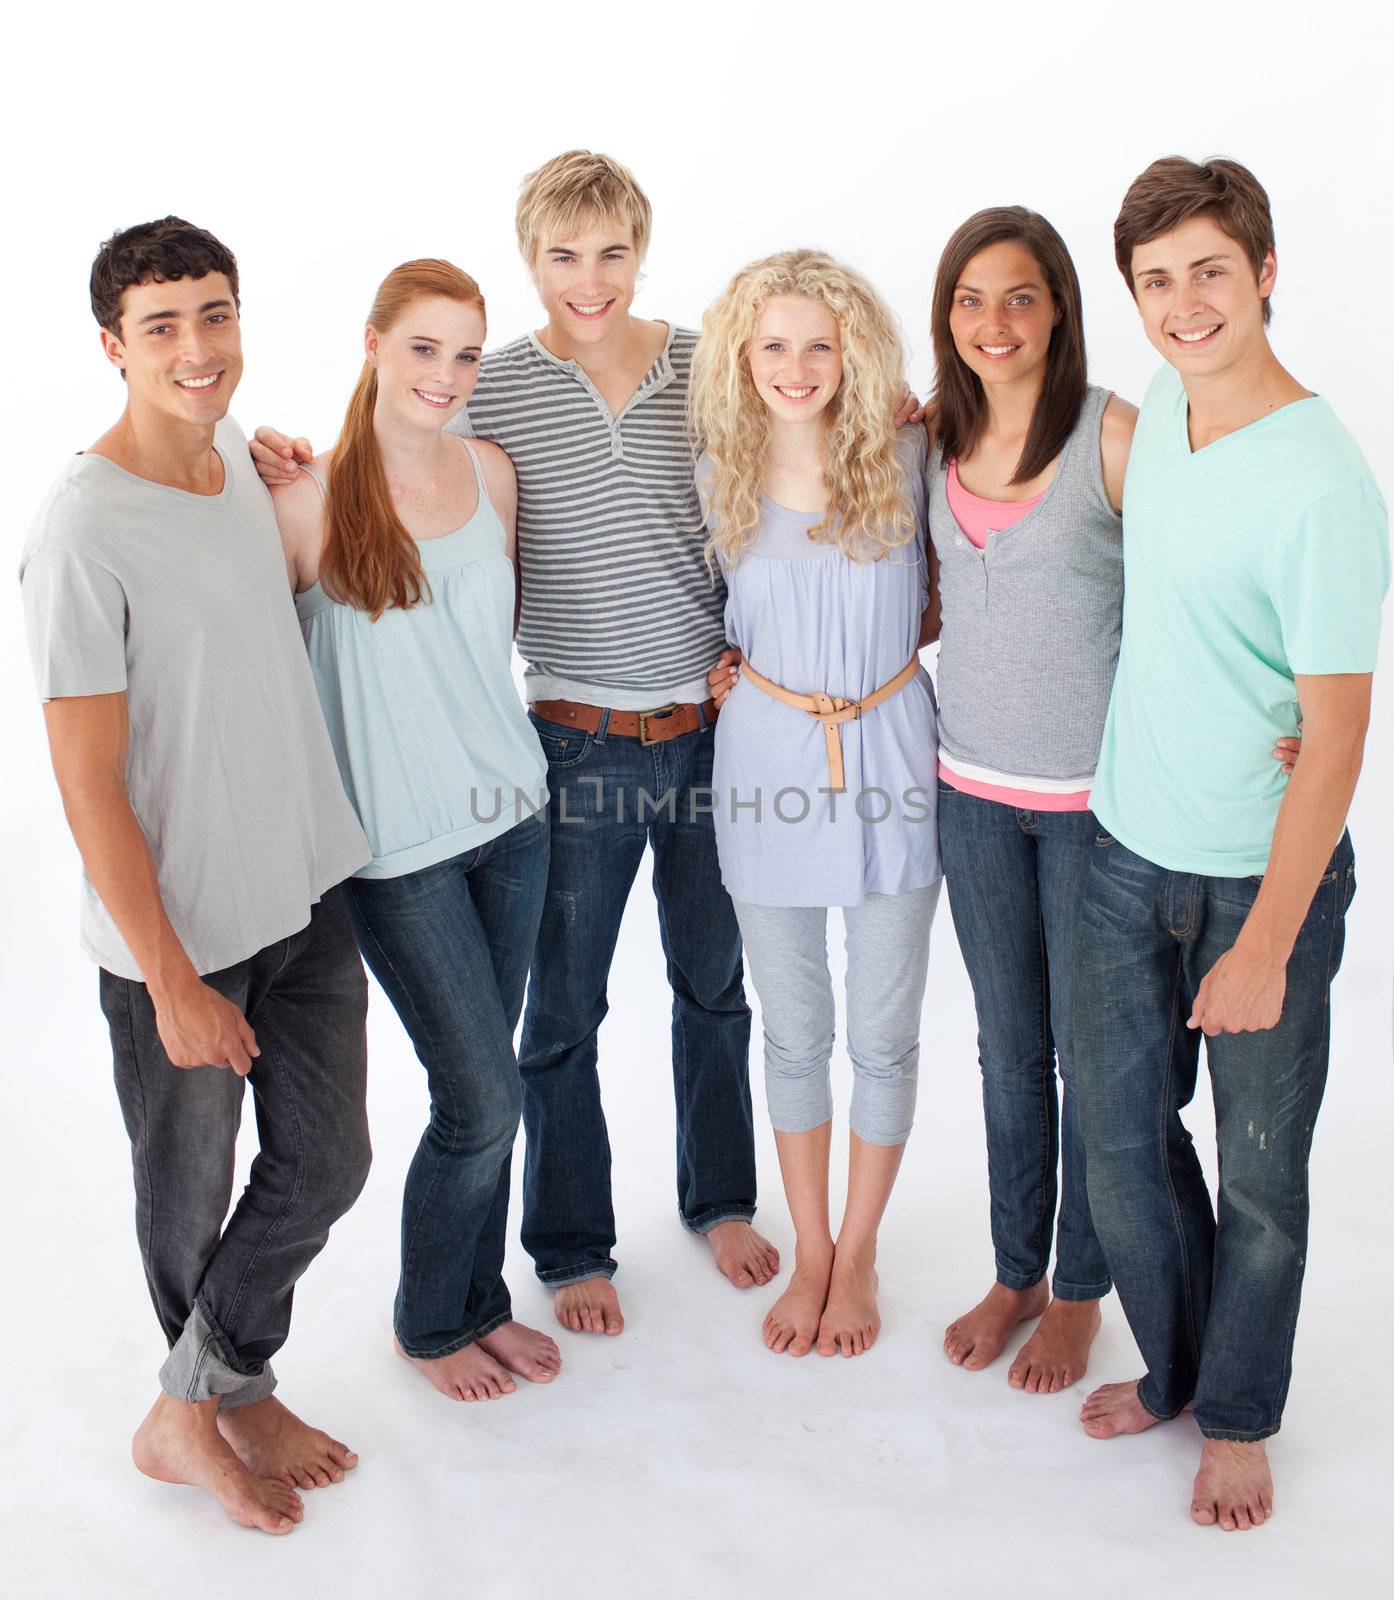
[(1029, 638)]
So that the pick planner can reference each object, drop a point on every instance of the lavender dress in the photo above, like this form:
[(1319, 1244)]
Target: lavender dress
[(810, 618)]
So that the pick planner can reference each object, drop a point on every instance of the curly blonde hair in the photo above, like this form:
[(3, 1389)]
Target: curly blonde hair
[(868, 511)]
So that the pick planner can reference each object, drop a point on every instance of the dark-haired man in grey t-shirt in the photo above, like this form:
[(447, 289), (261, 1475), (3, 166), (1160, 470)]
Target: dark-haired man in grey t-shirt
[(202, 792)]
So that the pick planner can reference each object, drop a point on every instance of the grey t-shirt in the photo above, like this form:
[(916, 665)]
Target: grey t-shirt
[(181, 600)]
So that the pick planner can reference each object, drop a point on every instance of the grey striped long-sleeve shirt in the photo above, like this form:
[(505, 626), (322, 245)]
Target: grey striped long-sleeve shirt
[(618, 607)]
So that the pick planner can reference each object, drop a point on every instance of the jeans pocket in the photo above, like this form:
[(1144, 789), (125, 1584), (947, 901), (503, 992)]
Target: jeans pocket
[(1103, 840), (563, 747)]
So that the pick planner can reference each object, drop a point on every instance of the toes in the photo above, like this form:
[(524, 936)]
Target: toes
[(1203, 1512), (802, 1343), (1018, 1374)]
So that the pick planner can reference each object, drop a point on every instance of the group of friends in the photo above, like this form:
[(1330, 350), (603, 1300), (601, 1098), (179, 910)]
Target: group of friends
[(288, 742)]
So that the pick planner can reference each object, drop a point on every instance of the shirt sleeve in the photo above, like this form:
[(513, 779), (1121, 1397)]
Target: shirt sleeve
[(1328, 581), (75, 618)]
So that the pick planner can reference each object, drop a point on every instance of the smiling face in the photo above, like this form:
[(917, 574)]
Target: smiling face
[(427, 361), (796, 357), (587, 281), (1003, 314), (180, 347), (1201, 304)]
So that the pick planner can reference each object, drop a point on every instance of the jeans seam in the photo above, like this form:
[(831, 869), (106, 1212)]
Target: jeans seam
[(1308, 1127), (1167, 1082), (409, 1243), (146, 1242), (267, 1059), (1044, 1223)]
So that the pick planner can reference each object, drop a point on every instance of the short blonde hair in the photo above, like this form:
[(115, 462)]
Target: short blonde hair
[(575, 185)]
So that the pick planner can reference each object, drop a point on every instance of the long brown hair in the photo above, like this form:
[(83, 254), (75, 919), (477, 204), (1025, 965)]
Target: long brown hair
[(960, 406), (370, 561)]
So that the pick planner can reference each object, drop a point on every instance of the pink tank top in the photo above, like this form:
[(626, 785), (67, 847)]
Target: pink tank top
[(978, 518)]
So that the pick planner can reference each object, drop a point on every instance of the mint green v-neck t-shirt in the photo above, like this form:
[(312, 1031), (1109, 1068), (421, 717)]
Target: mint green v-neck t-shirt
[(1262, 557)]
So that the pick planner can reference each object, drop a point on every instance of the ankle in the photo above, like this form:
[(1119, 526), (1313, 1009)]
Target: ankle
[(813, 1252), (856, 1254)]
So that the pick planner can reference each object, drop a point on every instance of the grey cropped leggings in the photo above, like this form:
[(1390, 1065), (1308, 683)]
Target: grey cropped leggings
[(786, 951)]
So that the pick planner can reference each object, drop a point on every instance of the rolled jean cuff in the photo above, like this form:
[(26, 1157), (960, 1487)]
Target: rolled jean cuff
[(714, 1219), (1019, 1281), (1238, 1435), (560, 1277), (1079, 1291), (437, 1352), (201, 1367)]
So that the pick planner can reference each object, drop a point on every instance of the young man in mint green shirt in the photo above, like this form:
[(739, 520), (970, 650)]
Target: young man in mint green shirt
[(1255, 559)]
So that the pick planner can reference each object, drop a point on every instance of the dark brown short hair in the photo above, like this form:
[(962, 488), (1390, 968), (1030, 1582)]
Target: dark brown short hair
[(960, 406), (1173, 190), (154, 252)]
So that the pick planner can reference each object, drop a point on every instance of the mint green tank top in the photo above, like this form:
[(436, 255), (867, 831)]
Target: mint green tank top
[(435, 750)]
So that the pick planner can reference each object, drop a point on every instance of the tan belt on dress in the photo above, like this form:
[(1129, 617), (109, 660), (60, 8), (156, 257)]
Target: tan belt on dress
[(832, 710)]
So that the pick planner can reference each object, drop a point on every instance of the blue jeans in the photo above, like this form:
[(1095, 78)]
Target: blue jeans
[(1016, 879), (611, 796), (1212, 1305), (450, 945)]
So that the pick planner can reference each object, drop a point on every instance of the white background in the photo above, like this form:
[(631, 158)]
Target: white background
[(325, 146)]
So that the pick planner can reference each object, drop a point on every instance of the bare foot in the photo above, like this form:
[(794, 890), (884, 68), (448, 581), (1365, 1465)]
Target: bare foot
[(179, 1442), (850, 1319), (273, 1442), (976, 1340), (1233, 1487), (1057, 1353), (742, 1256), (532, 1355), (468, 1374), (591, 1306), (1115, 1409), (792, 1323)]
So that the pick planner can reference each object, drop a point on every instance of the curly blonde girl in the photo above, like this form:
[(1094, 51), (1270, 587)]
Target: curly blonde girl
[(868, 511)]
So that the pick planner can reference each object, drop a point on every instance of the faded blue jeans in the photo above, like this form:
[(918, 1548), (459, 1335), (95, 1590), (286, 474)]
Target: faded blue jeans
[(1016, 879), (613, 798), (450, 944), (1212, 1302)]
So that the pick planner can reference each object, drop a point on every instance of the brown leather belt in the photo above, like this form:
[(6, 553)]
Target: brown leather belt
[(833, 710), (648, 727)]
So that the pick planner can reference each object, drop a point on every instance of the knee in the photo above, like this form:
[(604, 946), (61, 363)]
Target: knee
[(798, 1056), (339, 1176)]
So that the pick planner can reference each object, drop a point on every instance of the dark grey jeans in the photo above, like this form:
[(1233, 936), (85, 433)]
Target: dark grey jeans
[(223, 1294)]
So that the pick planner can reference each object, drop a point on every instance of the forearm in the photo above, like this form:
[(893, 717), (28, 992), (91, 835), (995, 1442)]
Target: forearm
[(122, 871), (1310, 822)]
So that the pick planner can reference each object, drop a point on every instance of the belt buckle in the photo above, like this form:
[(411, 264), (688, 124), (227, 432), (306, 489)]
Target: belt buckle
[(657, 711)]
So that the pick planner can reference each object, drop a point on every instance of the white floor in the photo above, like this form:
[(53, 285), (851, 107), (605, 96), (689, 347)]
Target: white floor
[(681, 1457)]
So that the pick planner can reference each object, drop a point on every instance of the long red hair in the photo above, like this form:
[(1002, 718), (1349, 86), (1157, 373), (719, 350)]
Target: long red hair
[(370, 561)]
